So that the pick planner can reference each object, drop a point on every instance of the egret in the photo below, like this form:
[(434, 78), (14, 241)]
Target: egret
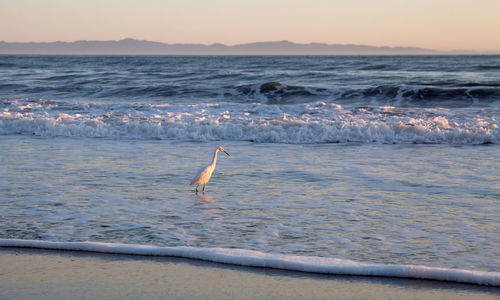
[(204, 175)]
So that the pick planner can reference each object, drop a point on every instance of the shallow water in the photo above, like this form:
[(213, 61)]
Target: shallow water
[(432, 205)]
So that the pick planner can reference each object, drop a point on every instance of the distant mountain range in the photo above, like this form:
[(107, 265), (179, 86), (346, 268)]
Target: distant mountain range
[(140, 47)]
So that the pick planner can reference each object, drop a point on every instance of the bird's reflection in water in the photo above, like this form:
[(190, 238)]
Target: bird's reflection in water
[(204, 198)]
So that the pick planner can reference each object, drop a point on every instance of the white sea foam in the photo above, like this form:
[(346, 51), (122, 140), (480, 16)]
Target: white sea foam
[(241, 257), (317, 122)]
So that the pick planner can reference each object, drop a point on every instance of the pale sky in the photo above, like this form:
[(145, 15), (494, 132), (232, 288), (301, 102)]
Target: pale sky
[(435, 24)]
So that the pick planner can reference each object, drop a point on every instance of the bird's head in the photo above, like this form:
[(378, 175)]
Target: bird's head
[(222, 149)]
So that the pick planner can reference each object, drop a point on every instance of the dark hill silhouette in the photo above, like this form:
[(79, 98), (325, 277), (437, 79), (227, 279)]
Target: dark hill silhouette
[(141, 47)]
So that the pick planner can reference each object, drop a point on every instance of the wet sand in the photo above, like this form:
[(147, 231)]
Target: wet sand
[(50, 274)]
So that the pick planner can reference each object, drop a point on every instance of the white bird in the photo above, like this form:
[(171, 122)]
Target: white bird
[(204, 175)]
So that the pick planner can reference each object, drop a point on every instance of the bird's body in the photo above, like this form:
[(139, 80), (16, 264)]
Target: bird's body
[(204, 174)]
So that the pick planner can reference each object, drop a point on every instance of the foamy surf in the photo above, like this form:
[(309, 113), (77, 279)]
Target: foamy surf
[(250, 258), (311, 123)]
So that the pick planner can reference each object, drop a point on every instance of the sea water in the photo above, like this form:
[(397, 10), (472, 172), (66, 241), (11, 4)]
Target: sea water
[(390, 160)]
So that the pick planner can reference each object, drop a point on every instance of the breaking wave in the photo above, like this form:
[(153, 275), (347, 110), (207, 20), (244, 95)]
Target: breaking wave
[(270, 92), (400, 95), (317, 122)]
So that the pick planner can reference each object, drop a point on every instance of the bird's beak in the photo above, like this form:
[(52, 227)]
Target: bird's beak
[(227, 153)]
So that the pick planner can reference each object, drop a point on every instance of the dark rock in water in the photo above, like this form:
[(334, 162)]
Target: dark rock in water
[(270, 86), (279, 87)]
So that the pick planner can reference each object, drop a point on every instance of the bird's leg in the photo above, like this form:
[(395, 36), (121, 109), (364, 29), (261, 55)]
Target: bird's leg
[(197, 187), (203, 190)]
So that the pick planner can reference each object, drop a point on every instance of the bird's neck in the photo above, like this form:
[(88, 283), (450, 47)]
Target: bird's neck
[(214, 160)]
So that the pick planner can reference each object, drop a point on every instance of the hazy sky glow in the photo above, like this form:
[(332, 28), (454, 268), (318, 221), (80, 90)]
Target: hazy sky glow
[(436, 24)]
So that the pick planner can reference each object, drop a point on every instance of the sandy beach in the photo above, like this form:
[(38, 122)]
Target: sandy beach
[(48, 274)]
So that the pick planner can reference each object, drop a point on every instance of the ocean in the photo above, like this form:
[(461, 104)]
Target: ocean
[(372, 160)]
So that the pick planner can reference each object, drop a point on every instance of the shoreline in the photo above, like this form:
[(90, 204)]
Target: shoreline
[(54, 274), (251, 258)]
